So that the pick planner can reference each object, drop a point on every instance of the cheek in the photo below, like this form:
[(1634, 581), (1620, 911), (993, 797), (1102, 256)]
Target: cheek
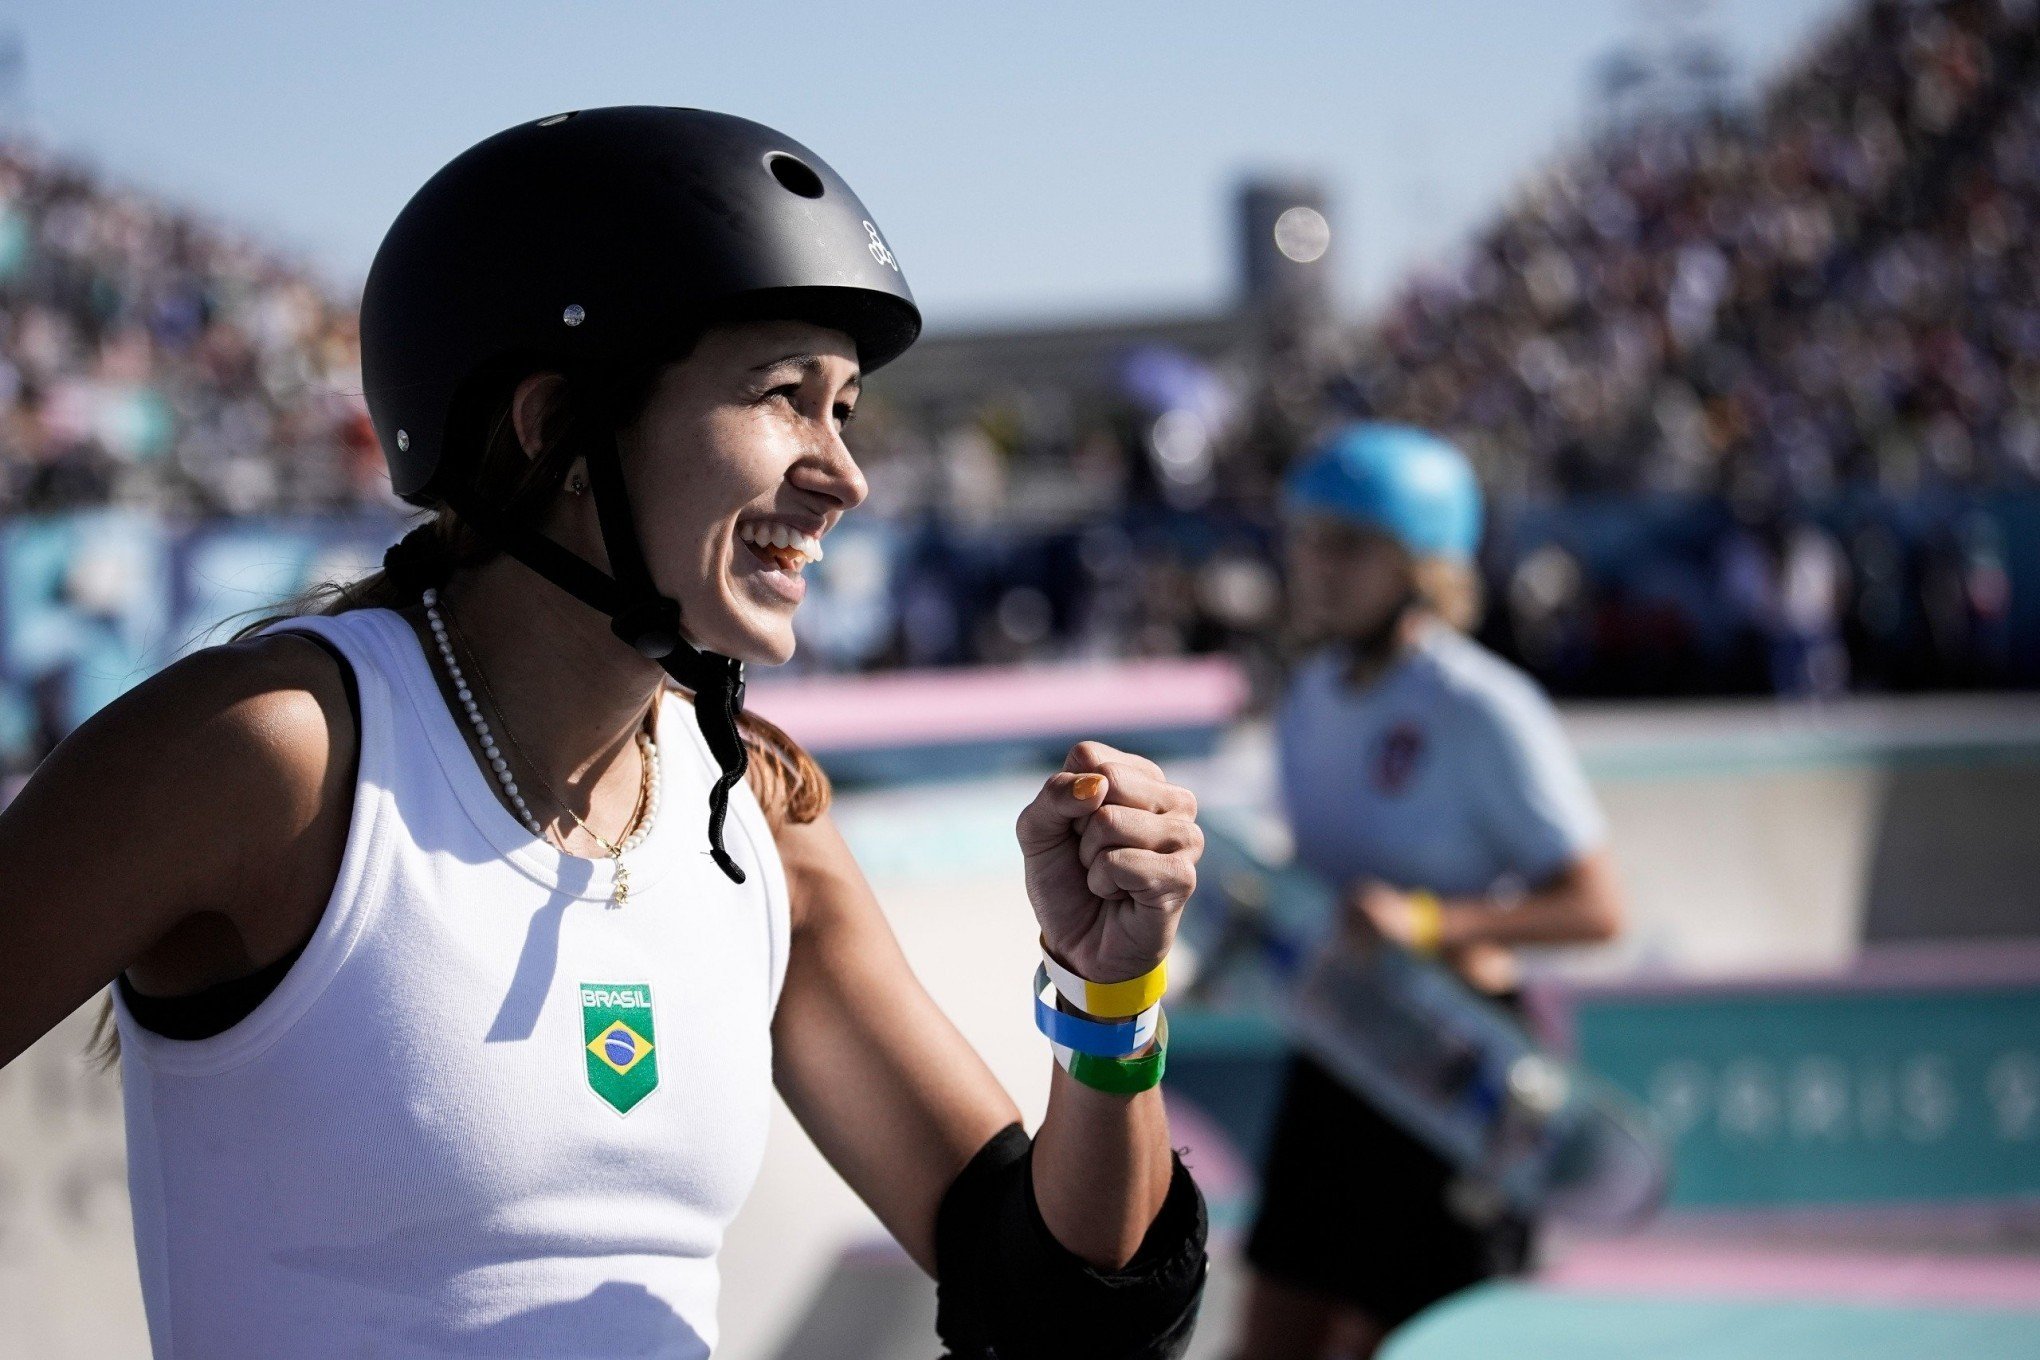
[(694, 494), (1341, 588), (1326, 580), (679, 534), (694, 489), (744, 455), (1379, 593)]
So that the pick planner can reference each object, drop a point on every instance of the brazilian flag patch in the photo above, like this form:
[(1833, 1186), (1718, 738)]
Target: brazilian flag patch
[(616, 1022)]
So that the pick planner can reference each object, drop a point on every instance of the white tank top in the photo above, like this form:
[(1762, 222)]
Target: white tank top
[(486, 1112)]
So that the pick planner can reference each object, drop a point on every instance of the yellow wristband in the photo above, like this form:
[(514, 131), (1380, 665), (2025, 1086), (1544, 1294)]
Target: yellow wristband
[(1107, 1000), (1427, 922)]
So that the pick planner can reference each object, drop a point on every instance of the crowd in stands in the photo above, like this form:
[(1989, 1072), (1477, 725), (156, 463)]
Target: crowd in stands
[(1838, 286), (1739, 383), (1822, 312), (152, 356)]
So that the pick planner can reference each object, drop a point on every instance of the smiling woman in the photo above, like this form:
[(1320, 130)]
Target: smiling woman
[(444, 1028)]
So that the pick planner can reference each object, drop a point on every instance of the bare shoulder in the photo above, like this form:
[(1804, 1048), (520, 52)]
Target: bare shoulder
[(271, 708), (232, 747), (214, 791), (824, 884)]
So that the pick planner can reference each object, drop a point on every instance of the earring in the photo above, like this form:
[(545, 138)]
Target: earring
[(577, 486)]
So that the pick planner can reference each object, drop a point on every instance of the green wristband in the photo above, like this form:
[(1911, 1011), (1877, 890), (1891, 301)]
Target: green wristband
[(1119, 1076)]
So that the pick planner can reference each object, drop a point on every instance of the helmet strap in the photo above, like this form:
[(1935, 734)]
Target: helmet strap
[(638, 614)]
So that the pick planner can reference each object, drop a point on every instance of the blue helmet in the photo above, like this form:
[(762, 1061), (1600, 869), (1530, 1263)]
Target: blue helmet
[(1406, 482)]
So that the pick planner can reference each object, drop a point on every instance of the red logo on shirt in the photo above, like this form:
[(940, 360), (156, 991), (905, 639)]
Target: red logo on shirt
[(1402, 746)]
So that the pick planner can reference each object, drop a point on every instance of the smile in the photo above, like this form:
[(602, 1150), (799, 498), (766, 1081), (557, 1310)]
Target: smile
[(780, 546)]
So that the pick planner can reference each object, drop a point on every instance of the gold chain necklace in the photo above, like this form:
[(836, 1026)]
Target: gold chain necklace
[(646, 807)]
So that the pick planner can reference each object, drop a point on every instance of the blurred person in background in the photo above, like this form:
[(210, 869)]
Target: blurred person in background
[(1429, 781), (1789, 578), (436, 1037)]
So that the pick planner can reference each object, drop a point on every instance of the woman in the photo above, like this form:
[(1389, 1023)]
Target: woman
[(447, 1019), (1430, 781)]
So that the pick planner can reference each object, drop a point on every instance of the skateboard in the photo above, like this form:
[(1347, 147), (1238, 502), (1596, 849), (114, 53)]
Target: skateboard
[(1526, 1131)]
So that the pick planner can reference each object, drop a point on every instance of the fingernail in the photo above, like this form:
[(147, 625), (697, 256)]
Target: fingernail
[(1088, 786)]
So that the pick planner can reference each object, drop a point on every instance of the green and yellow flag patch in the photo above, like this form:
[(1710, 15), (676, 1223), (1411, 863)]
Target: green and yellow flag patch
[(616, 1021)]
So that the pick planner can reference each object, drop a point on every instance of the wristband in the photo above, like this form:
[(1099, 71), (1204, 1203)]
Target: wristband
[(1106, 1039), (1119, 1076), (1111, 1000), (1427, 922)]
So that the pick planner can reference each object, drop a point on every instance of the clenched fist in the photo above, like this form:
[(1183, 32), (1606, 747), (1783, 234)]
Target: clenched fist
[(1111, 848)]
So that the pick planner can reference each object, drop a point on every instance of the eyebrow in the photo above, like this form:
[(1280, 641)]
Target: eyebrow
[(807, 363)]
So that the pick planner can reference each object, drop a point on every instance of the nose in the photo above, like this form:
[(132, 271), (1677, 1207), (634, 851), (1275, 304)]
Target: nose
[(832, 471)]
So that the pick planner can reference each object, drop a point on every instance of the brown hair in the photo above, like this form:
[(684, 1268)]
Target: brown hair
[(790, 786)]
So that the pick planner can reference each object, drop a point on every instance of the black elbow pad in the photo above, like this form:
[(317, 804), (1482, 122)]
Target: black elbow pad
[(1006, 1289)]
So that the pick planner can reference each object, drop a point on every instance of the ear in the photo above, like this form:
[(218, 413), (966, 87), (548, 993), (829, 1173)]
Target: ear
[(531, 405)]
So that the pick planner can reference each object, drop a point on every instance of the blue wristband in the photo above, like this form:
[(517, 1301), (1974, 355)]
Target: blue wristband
[(1113, 1039)]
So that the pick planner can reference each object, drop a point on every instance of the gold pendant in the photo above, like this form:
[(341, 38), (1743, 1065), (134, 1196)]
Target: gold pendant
[(622, 883)]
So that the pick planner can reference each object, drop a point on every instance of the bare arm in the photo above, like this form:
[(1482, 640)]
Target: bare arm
[(889, 1090), (184, 826), (1581, 904), (1101, 1168), (894, 1096)]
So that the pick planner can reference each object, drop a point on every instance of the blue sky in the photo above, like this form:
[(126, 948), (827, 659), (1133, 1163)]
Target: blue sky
[(1025, 160)]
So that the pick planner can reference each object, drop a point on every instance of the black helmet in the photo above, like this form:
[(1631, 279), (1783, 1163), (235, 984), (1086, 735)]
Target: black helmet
[(593, 240), (591, 243)]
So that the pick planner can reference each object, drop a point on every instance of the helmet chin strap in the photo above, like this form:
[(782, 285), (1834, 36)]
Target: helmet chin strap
[(638, 613)]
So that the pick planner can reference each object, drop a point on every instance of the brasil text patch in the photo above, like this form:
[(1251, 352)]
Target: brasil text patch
[(616, 1022)]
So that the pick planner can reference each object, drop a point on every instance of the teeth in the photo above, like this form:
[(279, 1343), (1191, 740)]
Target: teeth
[(783, 536)]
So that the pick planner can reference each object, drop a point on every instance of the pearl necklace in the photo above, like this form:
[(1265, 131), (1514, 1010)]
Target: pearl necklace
[(648, 790)]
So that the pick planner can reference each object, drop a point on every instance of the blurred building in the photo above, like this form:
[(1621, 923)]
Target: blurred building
[(1285, 245), (1053, 397)]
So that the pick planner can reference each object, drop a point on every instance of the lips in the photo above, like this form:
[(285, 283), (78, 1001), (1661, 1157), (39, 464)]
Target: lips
[(775, 553)]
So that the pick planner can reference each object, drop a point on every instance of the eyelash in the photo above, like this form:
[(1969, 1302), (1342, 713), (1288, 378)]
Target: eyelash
[(844, 414)]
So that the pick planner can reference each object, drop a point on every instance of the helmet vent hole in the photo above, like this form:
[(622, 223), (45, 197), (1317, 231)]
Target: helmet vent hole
[(794, 175)]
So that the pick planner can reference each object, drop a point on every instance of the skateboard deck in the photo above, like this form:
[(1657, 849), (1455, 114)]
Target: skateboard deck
[(1527, 1131)]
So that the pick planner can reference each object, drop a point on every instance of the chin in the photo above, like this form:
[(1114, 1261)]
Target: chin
[(754, 644), (775, 653)]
